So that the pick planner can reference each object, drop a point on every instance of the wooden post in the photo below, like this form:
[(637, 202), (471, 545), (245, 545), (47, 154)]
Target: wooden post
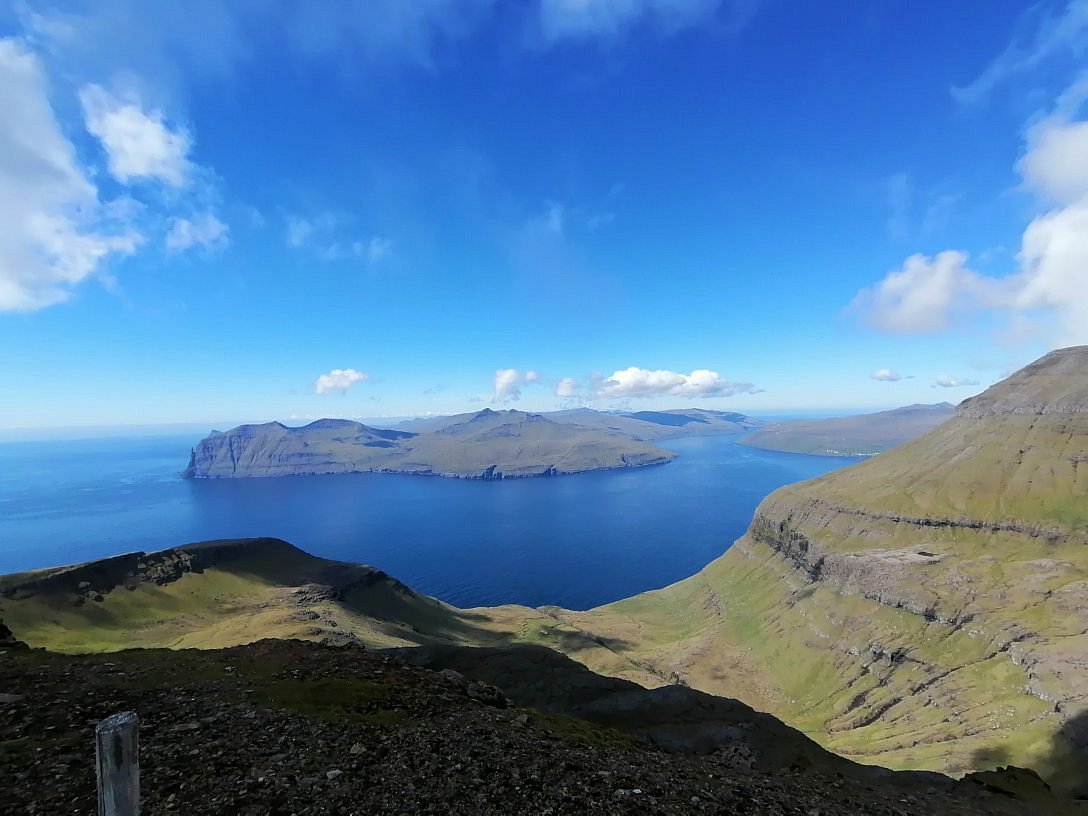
[(117, 752)]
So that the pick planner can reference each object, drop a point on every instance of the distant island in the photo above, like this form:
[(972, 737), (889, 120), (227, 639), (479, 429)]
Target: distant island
[(483, 445), (863, 435)]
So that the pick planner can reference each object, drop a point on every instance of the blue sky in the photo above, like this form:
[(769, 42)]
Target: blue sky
[(254, 210)]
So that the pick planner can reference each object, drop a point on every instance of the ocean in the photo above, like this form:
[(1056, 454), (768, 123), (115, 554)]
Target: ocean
[(574, 541)]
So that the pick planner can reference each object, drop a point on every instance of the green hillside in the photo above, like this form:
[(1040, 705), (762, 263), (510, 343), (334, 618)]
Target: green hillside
[(926, 608)]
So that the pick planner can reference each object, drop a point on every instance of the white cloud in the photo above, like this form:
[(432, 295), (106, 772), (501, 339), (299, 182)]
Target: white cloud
[(1054, 262), (640, 382), (1056, 161), (567, 387), (1048, 294), (926, 294), (563, 19), (509, 382), (944, 381), (886, 375), (204, 230), (139, 144), (339, 380), (54, 232)]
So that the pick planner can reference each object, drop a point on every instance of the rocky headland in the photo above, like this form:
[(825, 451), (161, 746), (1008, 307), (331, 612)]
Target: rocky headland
[(485, 445)]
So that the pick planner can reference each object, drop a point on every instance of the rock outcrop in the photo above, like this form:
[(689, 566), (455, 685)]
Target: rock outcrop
[(8, 639)]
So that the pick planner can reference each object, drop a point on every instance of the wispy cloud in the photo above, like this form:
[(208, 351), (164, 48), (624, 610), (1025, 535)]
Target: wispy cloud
[(914, 212), (1041, 37), (945, 381), (338, 381), (322, 234), (886, 375), (378, 249), (580, 19), (203, 230), (299, 231), (508, 383)]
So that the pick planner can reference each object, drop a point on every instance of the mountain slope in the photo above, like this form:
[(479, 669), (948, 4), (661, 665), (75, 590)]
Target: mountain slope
[(927, 608), (237, 592), (280, 727), (488, 444), (861, 435)]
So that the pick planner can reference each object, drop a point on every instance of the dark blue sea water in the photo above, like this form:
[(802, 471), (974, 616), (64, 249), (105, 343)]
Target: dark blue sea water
[(575, 541)]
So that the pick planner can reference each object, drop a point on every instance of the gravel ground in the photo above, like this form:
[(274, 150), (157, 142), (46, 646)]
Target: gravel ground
[(285, 727)]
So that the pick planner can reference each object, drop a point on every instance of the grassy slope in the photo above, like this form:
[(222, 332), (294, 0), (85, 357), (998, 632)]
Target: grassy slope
[(257, 595), (867, 676)]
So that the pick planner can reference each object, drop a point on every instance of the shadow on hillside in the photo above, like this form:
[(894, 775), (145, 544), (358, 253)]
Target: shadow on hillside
[(428, 623), (1064, 765)]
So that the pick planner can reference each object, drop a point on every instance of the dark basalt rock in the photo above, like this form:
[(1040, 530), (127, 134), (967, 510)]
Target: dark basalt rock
[(8, 639)]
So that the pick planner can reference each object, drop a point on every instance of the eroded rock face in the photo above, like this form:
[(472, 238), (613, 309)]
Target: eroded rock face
[(8, 639)]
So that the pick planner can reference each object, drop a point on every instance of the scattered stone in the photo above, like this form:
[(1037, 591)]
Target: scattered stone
[(487, 694), (451, 676), (331, 775), (356, 749)]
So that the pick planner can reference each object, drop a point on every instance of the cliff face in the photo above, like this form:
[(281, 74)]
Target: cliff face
[(927, 608), (273, 449), (486, 445)]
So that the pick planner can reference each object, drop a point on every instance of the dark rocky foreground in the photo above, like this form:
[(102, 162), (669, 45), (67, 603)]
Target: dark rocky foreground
[(286, 727)]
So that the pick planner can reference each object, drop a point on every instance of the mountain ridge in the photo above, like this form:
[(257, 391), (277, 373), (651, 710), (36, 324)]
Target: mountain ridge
[(857, 435)]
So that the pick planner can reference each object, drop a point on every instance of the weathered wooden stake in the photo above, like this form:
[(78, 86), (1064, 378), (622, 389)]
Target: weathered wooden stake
[(116, 747)]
